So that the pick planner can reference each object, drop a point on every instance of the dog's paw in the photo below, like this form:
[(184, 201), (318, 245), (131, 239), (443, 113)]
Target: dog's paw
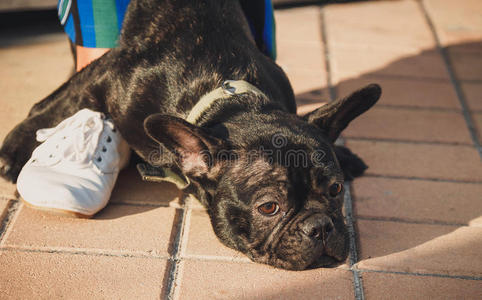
[(11, 163), (350, 163), (7, 169)]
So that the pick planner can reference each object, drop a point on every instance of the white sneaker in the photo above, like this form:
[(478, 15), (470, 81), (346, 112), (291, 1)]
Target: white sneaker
[(75, 168)]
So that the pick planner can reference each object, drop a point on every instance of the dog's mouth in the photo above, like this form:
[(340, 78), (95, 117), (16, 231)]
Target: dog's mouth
[(298, 257), (325, 261), (301, 263), (296, 251)]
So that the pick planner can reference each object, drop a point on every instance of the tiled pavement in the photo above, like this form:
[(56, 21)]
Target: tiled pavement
[(416, 215)]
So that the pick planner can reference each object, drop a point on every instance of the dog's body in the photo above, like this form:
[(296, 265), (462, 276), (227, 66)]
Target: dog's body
[(173, 52)]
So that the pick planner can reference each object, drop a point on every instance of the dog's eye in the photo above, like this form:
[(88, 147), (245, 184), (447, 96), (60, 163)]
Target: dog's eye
[(335, 189), (269, 209)]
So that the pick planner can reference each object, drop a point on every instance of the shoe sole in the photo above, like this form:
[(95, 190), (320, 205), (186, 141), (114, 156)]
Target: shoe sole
[(58, 212)]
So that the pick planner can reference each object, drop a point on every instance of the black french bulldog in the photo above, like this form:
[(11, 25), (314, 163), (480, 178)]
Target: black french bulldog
[(278, 209)]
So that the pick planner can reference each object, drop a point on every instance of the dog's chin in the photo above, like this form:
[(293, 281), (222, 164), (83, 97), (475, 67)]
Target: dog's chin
[(321, 262), (300, 263), (295, 251), (325, 262)]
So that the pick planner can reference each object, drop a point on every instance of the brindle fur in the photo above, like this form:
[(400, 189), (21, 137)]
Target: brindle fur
[(170, 54)]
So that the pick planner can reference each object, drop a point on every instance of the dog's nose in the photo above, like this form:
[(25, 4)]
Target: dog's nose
[(318, 227)]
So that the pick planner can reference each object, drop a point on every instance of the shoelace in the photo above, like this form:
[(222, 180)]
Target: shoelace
[(82, 130)]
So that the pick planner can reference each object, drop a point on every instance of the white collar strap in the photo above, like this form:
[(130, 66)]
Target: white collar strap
[(227, 89)]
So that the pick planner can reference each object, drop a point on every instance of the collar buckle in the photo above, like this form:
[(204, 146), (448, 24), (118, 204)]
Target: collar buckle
[(228, 89)]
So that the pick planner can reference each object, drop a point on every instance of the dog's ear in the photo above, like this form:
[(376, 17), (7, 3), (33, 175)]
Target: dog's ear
[(193, 146), (335, 116), (351, 165)]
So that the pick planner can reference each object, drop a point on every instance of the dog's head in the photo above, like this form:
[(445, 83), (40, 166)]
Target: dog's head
[(277, 195)]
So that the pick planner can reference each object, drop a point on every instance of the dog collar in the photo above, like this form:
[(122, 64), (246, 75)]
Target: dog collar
[(226, 90)]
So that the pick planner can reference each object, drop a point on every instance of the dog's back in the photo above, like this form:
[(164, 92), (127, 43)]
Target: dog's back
[(192, 46)]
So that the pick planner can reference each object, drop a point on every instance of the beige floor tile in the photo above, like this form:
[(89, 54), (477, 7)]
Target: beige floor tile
[(306, 108), (298, 24), (8, 190), (476, 222), (473, 95), (456, 21), (350, 62), (28, 275), (28, 73), (410, 125), (193, 203), (398, 286), (304, 65), (317, 96), (130, 188), (383, 238), (395, 23), (306, 81), (417, 200), (297, 55), (202, 241), (119, 228), (477, 117), (4, 205), (419, 248), (301, 54), (253, 281), (466, 65), (386, 41), (406, 91), (311, 100), (419, 160)]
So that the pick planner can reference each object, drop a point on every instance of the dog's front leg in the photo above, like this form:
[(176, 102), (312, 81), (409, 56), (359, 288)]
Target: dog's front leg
[(77, 93)]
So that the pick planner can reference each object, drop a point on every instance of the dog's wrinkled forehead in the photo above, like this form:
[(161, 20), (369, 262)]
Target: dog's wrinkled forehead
[(300, 170), (248, 172)]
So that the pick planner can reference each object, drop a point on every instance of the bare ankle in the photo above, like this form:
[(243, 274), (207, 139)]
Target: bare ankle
[(86, 55)]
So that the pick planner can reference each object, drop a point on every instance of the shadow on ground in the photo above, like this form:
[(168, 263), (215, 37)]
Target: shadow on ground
[(439, 244), (130, 189)]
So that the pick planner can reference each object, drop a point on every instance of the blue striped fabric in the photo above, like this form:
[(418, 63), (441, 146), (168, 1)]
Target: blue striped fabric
[(86, 24), (121, 11), (269, 33), (69, 28), (63, 9)]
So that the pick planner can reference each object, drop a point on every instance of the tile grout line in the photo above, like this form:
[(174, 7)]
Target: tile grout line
[(175, 272), (8, 219), (326, 56), (409, 221), (357, 280), (464, 277), (413, 77), (125, 254), (221, 259), (203, 257), (145, 204), (402, 141), (453, 79), (385, 176), (183, 247), (82, 251), (418, 108)]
